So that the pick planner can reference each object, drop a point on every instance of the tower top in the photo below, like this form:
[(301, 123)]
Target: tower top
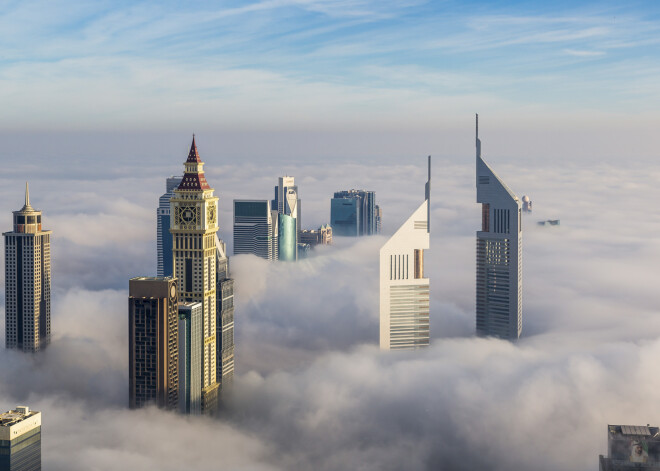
[(27, 206), (193, 155), (477, 141)]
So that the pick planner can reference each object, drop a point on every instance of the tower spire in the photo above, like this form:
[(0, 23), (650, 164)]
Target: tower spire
[(27, 194), (477, 141), (428, 199)]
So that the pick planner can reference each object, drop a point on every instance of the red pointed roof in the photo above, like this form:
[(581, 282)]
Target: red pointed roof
[(193, 155), (194, 181)]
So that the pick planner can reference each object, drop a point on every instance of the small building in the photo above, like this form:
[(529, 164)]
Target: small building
[(321, 236), (631, 447), (20, 440)]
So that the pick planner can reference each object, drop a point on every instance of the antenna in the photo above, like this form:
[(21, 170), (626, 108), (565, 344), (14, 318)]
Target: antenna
[(477, 141), (427, 191)]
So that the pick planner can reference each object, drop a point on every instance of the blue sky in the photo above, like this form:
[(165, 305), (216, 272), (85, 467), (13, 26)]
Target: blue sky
[(317, 63)]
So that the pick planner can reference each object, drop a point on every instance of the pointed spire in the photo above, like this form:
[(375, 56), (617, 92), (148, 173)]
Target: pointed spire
[(193, 155), (477, 141), (27, 206), (427, 189)]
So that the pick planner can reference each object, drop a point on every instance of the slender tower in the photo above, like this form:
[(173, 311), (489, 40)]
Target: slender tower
[(27, 281), (499, 255), (193, 213), (404, 290)]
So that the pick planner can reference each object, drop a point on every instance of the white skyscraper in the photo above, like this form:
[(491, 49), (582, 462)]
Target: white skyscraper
[(404, 291), (499, 255), (27, 281)]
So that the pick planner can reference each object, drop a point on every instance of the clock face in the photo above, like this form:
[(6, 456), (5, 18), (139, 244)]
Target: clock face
[(187, 215), (211, 214)]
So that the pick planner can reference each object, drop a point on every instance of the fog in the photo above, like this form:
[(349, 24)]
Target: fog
[(312, 390)]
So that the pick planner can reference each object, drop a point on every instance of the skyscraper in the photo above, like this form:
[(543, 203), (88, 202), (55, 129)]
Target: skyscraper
[(256, 229), (631, 447), (404, 290), (287, 204), (153, 342), (20, 440), (225, 318), (27, 281), (499, 255), (163, 236), (379, 219), (194, 224), (190, 358), (353, 212)]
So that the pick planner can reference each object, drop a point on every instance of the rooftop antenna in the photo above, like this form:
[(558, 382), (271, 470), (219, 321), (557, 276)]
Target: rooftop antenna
[(427, 191), (478, 142)]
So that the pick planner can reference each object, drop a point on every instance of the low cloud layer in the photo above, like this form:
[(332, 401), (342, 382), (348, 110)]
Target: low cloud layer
[(312, 389)]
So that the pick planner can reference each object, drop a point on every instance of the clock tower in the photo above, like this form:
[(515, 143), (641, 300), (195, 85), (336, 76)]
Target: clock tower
[(193, 225)]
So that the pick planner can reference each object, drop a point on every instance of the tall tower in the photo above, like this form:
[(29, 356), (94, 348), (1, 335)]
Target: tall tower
[(256, 229), (499, 255), (163, 235), (287, 204), (27, 281), (193, 210), (153, 342), (404, 290)]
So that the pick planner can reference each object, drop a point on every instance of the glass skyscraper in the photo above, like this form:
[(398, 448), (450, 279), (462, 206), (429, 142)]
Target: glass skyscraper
[(20, 440), (190, 358), (255, 229), (163, 235), (353, 213)]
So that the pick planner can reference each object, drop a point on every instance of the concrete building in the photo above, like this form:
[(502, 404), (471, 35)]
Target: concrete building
[(499, 255), (353, 213), (320, 236), (163, 235), (153, 342), (631, 447), (27, 281), (20, 440), (404, 289), (194, 223), (190, 358), (256, 229), (225, 318)]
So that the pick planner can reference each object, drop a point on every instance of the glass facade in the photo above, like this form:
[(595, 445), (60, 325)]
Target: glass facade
[(344, 216), (287, 238)]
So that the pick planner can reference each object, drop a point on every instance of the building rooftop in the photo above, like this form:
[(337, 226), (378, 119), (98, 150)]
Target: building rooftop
[(15, 416)]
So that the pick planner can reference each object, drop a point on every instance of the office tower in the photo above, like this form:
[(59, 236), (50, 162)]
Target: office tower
[(287, 204), (321, 236), (190, 358), (153, 342), (499, 255), (379, 219), (27, 281), (20, 440), (194, 224), (225, 318), (353, 213), (163, 236), (256, 229), (631, 447), (404, 290)]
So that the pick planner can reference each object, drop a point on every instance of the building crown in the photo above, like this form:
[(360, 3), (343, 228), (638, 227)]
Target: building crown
[(193, 178)]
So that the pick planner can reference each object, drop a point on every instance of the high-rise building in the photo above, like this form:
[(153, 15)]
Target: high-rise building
[(404, 289), (256, 229), (631, 447), (20, 440), (194, 223), (27, 281), (153, 342), (499, 255), (321, 236), (287, 204), (190, 358), (379, 219), (353, 213), (163, 234), (225, 318)]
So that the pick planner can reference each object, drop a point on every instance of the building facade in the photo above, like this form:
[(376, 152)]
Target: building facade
[(20, 440), (163, 234), (287, 234), (256, 229), (353, 213), (27, 281), (153, 342), (190, 358), (631, 447), (320, 236), (194, 223), (225, 319), (499, 255), (404, 288), (287, 204)]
